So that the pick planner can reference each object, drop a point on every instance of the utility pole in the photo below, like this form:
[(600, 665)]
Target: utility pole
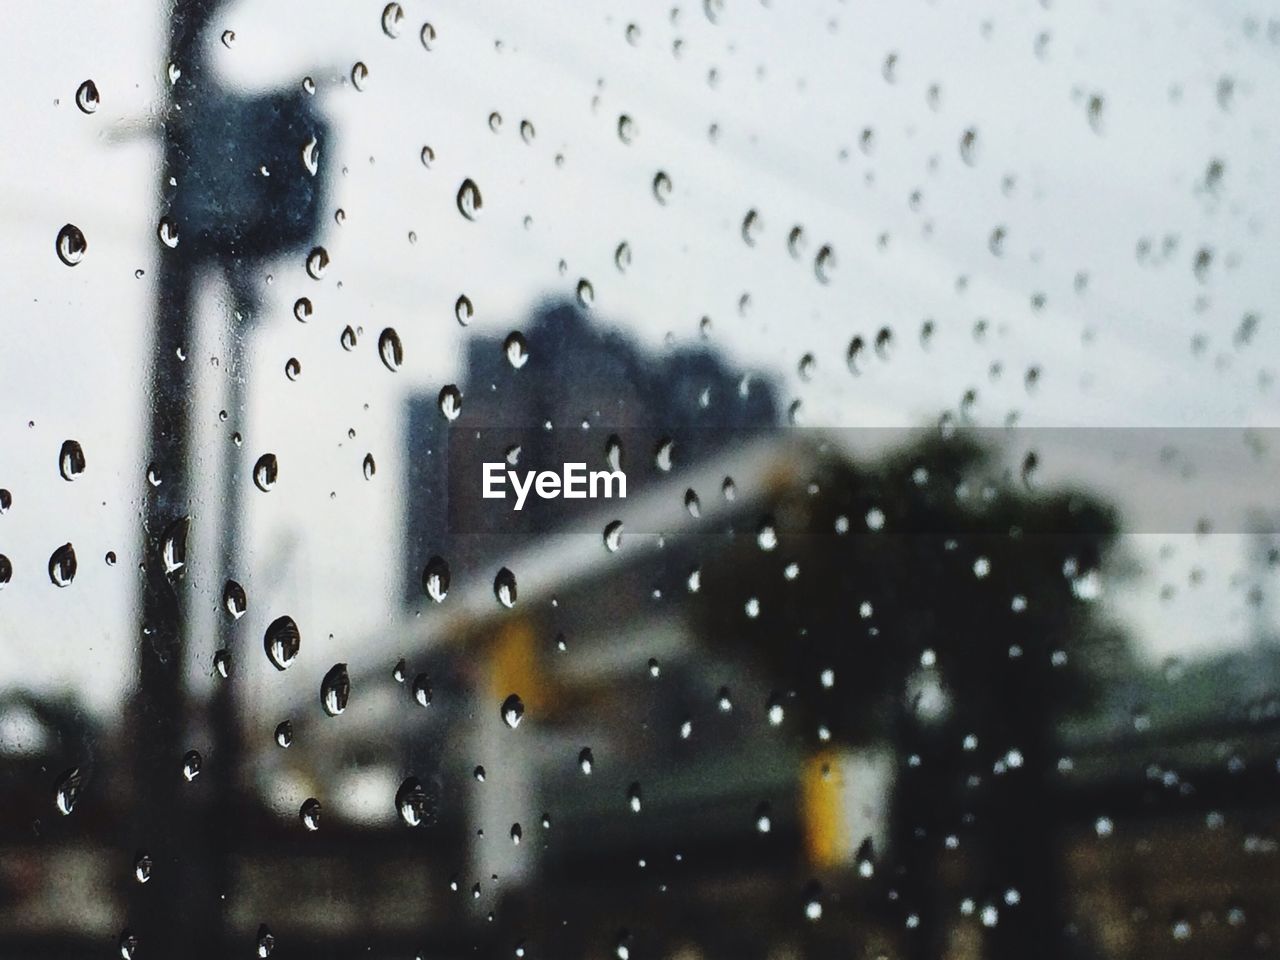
[(240, 183)]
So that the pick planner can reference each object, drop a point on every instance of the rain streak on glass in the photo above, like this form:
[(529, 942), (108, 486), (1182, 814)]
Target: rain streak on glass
[(282, 641), (335, 689)]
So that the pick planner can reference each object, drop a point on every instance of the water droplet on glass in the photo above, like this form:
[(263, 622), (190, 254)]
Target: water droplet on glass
[(348, 338), (266, 942), (335, 689), (411, 802), (969, 146), (427, 35), (633, 797), (796, 242), (813, 901), (626, 128), (751, 226), (504, 587), (512, 711), (265, 472), (222, 663), (824, 263), (766, 536), (70, 460), (167, 231), (516, 349), (613, 452), (586, 292), (282, 641), (693, 503), (317, 262), (173, 545), (71, 245), (293, 368), (359, 75), (662, 187), (311, 156), (613, 536), (764, 821), (87, 97), (427, 156), (463, 310), (392, 16), (62, 565), (284, 734), (390, 349), (586, 759), (662, 455), (774, 711), (469, 200), (128, 945), (66, 790), (450, 401), (142, 866), (435, 579), (422, 689), (622, 256), (191, 764), (309, 814), (302, 309)]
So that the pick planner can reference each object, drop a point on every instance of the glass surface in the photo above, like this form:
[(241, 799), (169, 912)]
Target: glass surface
[(935, 341)]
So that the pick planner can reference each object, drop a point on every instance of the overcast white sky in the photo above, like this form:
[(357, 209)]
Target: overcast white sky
[(797, 84)]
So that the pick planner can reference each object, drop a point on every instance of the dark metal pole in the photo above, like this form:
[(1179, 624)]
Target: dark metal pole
[(177, 911)]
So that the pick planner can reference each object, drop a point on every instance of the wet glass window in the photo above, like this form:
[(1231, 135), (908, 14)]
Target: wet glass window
[(726, 478)]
